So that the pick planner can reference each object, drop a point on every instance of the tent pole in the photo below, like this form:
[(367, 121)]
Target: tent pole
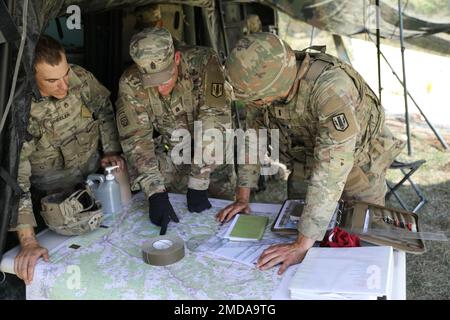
[(405, 90), (436, 133), (341, 49), (5, 68), (223, 27), (378, 8), (3, 76), (5, 191), (312, 36)]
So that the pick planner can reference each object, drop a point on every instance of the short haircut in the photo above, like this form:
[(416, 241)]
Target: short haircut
[(48, 50)]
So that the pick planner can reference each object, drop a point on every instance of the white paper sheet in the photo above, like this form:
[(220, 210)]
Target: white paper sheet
[(245, 254), (344, 273)]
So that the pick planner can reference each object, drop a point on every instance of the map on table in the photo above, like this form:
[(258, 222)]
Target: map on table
[(107, 263)]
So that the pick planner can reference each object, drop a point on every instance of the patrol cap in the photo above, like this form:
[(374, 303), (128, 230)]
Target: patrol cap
[(153, 51), (148, 16), (261, 66)]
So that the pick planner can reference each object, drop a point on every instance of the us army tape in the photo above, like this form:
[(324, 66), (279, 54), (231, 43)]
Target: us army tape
[(163, 250)]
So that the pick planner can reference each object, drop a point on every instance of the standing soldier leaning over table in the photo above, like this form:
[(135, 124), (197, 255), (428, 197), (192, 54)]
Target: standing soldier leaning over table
[(331, 129), (68, 122), (168, 88)]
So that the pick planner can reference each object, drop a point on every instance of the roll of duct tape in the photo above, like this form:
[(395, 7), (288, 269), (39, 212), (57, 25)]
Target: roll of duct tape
[(163, 250)]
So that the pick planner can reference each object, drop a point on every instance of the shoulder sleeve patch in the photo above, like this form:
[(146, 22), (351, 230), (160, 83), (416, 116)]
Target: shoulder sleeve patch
[(342, 126), (215, 94), (126, 121)]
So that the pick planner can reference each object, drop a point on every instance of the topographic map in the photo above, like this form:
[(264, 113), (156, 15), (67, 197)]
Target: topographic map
[(107, 263)]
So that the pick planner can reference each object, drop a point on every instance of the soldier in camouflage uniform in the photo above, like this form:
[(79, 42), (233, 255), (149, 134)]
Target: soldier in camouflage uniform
[(148, 16), (167, 89), (68, 124), (252, 24), (331, 128)]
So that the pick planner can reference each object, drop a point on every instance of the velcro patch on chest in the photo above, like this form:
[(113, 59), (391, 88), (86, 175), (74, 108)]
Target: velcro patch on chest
[(85, 112)]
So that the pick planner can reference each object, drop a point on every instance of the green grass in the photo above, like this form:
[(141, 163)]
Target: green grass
[(428, 275)]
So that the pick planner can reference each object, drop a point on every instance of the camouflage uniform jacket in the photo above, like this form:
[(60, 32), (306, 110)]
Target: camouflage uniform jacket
[(65, 134), (327, 124), (199, 95)]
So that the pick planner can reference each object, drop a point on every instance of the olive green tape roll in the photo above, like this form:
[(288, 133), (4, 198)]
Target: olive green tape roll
[(163, 250)]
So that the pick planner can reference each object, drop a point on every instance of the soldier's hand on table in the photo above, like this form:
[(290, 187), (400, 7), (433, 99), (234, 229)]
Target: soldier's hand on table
[(113, 160), (239, 206), (287, 254), (161, 211), (25, 261), (197, 200), (227, 213)]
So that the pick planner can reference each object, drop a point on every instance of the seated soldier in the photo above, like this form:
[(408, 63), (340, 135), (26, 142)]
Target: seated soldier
[(71, 133)]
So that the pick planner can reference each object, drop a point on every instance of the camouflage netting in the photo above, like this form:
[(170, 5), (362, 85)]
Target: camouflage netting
[(426, 23), (101, 5)]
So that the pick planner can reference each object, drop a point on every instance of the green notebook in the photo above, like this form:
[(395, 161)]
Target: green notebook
[(247, 227)]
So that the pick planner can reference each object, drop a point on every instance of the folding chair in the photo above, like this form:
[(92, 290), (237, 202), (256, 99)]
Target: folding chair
[(408, 170)]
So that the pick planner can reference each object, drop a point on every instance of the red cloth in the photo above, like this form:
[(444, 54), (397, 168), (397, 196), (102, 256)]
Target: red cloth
[(339, 238)]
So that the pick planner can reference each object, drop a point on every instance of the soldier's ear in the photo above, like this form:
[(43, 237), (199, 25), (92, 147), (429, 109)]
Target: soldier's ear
[(177, 57)]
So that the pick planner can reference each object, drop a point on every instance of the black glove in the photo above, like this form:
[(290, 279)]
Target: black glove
[(161, 211), (197, 200)]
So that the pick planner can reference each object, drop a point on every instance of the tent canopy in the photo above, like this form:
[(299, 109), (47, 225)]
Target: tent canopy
[(426, 23)]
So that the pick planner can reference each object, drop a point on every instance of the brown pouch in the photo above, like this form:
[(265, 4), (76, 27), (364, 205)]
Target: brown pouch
[(77, 149), (382, 226)]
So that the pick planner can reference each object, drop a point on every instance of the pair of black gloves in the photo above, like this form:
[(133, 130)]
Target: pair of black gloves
[(161, 210)]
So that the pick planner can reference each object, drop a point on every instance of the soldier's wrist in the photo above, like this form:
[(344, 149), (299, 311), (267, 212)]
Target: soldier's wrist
[(243, 194), (26, 236), (304, 243), (150, 192), (198, 183), (29, 241)]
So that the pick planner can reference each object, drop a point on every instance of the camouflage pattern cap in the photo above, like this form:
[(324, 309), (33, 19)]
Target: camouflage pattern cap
[(261, 66), (153, 51), (148, 16)]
